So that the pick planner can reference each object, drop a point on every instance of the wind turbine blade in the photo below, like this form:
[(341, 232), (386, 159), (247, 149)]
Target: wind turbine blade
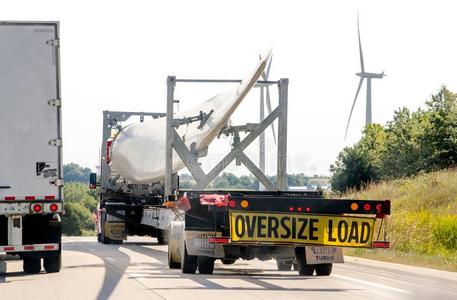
[(360, 46), (267, 72), (269, 112), (352, 108)]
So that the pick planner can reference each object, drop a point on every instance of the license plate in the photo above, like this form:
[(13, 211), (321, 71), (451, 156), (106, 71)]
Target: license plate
[(277, 228), (323, 255)]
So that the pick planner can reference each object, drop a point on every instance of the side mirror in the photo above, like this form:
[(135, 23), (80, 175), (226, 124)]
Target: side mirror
[(93, 181)]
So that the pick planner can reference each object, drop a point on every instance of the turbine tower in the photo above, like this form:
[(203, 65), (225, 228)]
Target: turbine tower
[(362, 74)]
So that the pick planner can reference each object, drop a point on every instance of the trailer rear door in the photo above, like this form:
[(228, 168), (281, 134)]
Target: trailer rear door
[(30, 113)]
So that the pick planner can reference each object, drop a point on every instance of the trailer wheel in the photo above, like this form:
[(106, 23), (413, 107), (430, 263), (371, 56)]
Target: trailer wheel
[(188, 262), (172, 264), (324, 269), (162, 237), (53, 264), (32, 265), (205, 265), (284, 265), (228, 261), (302, 266)]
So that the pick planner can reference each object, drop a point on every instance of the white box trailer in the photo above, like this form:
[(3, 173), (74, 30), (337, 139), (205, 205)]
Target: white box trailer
[(31, 196)]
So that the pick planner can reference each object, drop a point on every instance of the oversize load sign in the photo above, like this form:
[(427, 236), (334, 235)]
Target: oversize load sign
[(255, 227)]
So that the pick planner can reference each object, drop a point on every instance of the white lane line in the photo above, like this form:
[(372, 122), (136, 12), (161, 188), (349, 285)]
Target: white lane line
[(92, 250), (110, 259), (372, 284)]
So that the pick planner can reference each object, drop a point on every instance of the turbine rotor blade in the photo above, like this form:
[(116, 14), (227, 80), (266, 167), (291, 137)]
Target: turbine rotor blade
[(267, 72), (360, 46), (352, 108)]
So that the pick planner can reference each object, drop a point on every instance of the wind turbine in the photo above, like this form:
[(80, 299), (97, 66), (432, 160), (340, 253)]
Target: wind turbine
[(362, 74)]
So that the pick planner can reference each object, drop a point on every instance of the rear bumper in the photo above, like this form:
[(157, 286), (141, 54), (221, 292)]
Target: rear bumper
[(29, 248)]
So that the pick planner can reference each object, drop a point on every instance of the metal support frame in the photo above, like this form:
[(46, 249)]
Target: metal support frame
[(190, 157), (111, 119)]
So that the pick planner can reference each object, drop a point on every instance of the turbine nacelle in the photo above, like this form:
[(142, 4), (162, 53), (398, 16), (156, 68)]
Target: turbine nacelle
[(370, 75)]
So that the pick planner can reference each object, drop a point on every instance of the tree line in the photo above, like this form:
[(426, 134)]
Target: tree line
[(412, 142)]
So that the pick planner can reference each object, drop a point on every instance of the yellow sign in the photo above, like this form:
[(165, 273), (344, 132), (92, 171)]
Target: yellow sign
[(274, 228)]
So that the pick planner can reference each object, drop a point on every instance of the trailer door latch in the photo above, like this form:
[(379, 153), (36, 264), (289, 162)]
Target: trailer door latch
[(53, 42), (55, 102), (57, 182), (56, 142)]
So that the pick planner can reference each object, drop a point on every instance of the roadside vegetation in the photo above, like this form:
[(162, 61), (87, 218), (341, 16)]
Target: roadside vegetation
[(80, 202), (411, 161), (423, 226), (412, 143)]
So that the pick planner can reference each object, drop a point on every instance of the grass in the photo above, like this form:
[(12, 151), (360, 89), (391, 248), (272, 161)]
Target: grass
[(423, 226)]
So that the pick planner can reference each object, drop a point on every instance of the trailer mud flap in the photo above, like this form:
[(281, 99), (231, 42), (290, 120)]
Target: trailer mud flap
[(197, 244), (115, 231)]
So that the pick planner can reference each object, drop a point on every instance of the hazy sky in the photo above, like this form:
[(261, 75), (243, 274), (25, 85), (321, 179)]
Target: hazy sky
[(115, 55)]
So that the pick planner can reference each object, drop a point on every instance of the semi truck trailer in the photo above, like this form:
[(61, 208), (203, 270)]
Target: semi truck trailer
[(140, 193), (31, 179)]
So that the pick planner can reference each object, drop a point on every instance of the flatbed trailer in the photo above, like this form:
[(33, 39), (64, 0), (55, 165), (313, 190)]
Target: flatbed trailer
[(299, 229)]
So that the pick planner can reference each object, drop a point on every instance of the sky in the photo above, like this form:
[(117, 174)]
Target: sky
[(116, 55)]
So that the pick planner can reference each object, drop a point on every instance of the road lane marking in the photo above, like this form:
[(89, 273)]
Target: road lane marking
[(372, 284), (110, 259)]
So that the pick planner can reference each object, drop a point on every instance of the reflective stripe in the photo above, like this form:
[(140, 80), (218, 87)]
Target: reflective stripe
[(25, 248)]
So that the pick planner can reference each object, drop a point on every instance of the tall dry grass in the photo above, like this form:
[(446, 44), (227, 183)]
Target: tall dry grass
[(424, 213)]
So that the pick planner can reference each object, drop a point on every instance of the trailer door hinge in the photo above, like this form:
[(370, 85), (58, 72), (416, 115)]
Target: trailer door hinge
[(53, 42), (57, 182), (55, 102), (56, 142)]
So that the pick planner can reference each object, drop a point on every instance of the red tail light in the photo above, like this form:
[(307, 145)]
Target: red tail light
[(308, 209), (291, 208), (367, 206), (108, 150), (232, 203), (381, 244), (37, 208), (299, 208), (219, 240), (53, 207)]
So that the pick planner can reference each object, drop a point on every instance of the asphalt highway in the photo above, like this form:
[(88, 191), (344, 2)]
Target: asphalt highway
[(138, 270)]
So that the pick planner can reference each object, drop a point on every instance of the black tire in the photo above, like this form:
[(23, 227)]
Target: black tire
[(228, 261), (284, 265), (99, 238), (188, 262), (53, 264), (162, 238), (302, 267), (324, 269), (172, 264), (205, 265), (32, 265)]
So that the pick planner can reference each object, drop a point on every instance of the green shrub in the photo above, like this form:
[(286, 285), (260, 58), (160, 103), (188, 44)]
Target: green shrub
[(444, 232)]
